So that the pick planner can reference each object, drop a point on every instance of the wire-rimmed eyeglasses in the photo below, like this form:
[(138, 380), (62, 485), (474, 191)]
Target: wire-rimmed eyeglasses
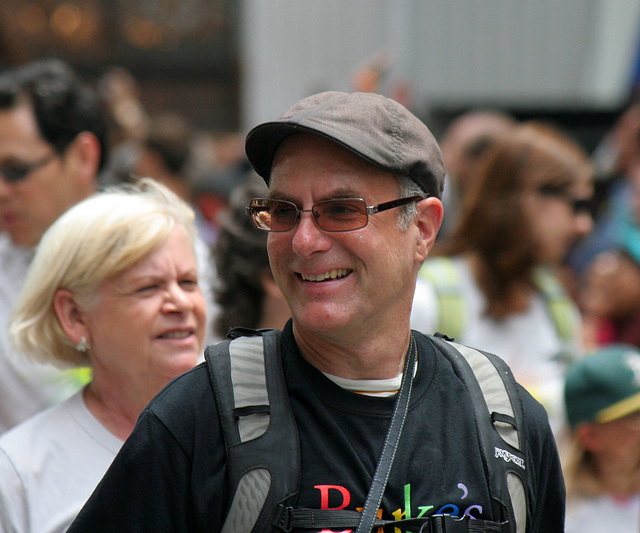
[(339, 214)]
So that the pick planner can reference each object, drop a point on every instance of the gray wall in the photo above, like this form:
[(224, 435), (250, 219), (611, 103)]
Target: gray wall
[(552, 54)]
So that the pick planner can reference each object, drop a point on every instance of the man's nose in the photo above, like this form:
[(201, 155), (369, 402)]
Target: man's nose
[(308, 237)]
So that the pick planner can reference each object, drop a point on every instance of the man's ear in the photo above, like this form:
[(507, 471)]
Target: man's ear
[(70, 316), (428, 221), (84, 155)]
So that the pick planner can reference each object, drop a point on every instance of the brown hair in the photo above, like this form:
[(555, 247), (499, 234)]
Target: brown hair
[(492, 223)]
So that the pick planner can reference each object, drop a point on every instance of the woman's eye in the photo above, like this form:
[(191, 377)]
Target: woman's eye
[(148, 288)]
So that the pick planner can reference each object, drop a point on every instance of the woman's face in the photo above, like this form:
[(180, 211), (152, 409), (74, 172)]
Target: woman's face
[(147, 324), (558, 218)]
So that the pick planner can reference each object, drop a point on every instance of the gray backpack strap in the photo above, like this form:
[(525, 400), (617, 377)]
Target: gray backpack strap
[(499, 419), (261, 439)]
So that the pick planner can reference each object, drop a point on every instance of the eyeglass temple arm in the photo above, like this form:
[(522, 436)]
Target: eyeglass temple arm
[(393, 203)]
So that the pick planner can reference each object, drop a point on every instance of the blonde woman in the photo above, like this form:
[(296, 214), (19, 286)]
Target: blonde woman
[(113, 286)]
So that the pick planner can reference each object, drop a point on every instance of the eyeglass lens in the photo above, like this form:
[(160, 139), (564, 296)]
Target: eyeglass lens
[(578, 205), (331, 215), (582, 205), (14, 173)]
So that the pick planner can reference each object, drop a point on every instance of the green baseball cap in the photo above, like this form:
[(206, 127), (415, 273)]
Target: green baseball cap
[(603, 386)]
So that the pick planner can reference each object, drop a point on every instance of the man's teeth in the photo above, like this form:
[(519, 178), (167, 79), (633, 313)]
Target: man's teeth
[(339, 273), (176, 335)]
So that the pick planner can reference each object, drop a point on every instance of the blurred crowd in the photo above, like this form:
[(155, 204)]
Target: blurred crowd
[(538, 261), (551, 288)]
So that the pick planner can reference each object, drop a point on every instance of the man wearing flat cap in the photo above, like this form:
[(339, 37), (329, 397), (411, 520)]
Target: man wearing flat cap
[(384, 427)]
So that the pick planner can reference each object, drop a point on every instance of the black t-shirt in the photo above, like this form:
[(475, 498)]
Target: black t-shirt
[(171, 473)]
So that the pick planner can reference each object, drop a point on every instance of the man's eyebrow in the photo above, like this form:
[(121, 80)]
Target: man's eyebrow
[(337, 193), (344, 193), (278, 196)]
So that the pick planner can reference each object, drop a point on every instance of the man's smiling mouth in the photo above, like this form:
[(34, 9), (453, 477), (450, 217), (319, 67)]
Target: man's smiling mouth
[(333, 274)]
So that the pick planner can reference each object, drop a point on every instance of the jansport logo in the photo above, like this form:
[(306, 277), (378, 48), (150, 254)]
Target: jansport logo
[(509, 457)]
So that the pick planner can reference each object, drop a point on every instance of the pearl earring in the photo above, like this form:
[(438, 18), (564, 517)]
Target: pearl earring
[(83, 345)]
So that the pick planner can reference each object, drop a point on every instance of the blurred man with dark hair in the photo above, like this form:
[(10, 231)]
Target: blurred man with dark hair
[(52, 147)]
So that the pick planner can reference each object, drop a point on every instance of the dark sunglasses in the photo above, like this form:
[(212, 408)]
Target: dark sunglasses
[(340, 214), (578, 205), (14, 173)]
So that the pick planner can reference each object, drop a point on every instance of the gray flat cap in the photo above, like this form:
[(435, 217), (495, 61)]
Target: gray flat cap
[(375, 128)]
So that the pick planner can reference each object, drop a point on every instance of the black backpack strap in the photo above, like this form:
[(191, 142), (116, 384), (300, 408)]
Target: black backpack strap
[(499, 420), (261, 438)]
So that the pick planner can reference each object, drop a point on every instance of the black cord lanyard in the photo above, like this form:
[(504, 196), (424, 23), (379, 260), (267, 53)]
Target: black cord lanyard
[(381, 476)]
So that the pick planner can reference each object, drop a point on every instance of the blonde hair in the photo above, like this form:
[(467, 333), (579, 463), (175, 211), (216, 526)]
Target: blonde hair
[(580, 473), (94, 240)]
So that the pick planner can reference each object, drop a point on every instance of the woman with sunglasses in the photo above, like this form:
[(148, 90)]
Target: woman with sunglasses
[(497, 284)]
